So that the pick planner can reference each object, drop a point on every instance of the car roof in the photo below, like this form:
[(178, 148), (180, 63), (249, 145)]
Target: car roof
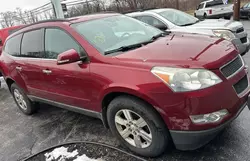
[(149, 11), (67, 21)]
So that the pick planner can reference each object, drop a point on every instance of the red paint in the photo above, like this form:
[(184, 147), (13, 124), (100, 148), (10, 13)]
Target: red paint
[(86, 84), (69, 56)]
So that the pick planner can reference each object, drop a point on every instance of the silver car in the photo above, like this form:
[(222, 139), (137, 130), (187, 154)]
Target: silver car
[(178, 21)]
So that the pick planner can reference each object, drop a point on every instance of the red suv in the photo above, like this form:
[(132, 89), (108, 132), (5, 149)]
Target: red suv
[(149, 87)]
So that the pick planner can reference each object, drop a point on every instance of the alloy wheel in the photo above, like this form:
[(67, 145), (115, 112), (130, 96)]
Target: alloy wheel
[(20, 100), (133, 128)]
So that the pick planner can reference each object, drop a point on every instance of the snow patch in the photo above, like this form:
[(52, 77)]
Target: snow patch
[(60, 154)]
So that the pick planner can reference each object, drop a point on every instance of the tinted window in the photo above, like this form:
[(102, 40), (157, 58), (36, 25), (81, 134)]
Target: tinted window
[(57, 42), (201, 6), (214, 3), (150, 20), (12, 46), (32, 44)]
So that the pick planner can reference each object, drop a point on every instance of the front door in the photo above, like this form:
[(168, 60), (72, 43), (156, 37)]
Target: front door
[(66, 83)]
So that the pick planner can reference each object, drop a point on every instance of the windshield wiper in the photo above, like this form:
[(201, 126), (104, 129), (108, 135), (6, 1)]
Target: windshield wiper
[(124, 48), (163, 34), (138, 45)]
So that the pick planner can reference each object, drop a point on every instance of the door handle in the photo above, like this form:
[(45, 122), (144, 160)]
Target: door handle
[(46, 71), (19, 68)]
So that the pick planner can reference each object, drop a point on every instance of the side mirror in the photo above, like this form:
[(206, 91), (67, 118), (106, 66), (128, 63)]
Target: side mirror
[(161, 27), (67, 57)]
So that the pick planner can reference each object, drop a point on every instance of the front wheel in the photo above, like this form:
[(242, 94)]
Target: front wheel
[(137, 126)]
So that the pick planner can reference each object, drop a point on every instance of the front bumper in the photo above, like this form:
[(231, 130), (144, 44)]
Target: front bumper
[(243, 48), (191, 140)]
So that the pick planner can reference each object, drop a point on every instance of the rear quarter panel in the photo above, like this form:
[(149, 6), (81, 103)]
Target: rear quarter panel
[(8, 70)]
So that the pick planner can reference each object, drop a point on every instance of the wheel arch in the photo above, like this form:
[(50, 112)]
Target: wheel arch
[(9, 81), (111, 95)]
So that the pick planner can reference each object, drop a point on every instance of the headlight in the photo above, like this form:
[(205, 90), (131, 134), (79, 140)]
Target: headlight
[(182, 79), (226, 34), (209, 118)]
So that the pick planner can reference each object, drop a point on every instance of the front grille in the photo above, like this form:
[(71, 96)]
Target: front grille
[(241, 85), (243, 40), (232, 67), (240, 30)]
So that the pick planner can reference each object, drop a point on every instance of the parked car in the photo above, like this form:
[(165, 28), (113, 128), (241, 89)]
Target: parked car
[(214, 9), (149, 87), (245, 11), (175, 20)]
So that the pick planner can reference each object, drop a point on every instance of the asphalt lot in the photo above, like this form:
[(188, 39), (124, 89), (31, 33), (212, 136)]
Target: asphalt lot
[(21, 136)]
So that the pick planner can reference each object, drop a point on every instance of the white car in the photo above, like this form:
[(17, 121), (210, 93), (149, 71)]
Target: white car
[(178, 21), (214, 9)]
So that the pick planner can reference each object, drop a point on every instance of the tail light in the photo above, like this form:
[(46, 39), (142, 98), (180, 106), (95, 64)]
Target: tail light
[(210, 12)]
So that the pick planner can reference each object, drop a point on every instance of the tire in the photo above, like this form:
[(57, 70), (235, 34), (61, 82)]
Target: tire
[(155, 127), (30, 106), (205, 16), (194, 14)]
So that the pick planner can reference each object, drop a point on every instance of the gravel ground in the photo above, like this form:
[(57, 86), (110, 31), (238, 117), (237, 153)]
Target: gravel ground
[(21, 136)]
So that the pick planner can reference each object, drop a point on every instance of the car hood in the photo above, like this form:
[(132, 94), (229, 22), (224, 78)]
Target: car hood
[(183, 50), (216, 24)]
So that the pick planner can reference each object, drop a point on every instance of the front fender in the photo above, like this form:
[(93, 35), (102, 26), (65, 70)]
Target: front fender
[(130, 90)]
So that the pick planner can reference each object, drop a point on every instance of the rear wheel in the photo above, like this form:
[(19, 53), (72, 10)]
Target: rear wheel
[(137, 126), (23, 102), (205, 16)]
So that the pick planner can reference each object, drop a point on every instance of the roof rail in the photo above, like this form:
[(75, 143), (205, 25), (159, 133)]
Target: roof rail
[(44, 21)]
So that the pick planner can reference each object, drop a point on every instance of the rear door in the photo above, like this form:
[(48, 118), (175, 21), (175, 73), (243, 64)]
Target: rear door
[(32, 52), (67, 83)]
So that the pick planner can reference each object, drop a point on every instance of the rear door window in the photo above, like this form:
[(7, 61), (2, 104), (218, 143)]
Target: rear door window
[(33, 44), (12, 46)]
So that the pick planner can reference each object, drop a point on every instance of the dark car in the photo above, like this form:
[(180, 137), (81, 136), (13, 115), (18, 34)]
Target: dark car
[(245, 11), (149, 87)]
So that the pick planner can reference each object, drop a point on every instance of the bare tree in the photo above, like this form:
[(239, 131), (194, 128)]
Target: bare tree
[(7, 19)]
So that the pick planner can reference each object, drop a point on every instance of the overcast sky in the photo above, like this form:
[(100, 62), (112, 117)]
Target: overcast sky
[(10, 5)]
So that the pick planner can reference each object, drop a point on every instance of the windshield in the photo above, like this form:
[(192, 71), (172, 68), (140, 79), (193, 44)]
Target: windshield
[(178, 18), (114, 32)]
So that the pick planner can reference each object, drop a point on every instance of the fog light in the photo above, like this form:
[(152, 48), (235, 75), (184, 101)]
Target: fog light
[(209, 118)]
